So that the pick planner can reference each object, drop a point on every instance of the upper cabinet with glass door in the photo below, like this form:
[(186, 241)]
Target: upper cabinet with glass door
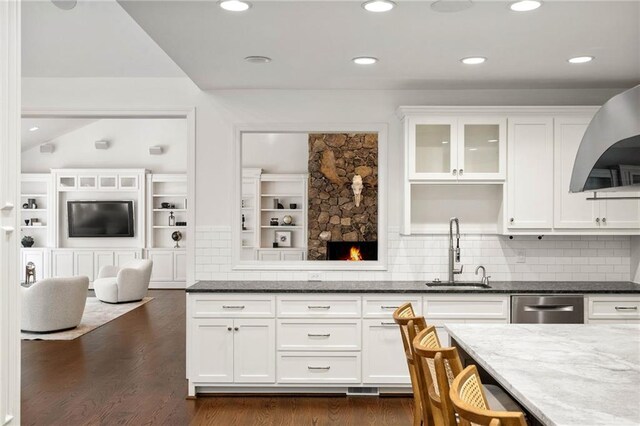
[(456, 148)]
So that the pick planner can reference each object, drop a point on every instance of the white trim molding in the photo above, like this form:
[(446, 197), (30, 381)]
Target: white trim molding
[(9, 207), (380, 128)]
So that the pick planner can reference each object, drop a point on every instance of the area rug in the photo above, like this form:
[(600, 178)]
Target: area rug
[(96, 314)]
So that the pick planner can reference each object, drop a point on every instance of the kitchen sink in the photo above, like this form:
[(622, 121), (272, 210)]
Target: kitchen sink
[(458, 285)]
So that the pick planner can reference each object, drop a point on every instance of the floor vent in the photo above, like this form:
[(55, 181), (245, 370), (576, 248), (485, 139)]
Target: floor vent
[(363, 392)]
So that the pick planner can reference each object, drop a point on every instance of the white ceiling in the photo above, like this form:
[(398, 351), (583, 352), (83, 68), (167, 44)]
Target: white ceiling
[(95, 39), (49, 129), (312, 43)]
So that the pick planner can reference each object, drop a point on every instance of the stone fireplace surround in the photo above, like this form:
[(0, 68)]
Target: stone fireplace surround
[(334, 159)]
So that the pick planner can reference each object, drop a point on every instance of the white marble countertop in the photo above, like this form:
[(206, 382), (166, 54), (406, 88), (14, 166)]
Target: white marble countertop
[(569, 374)]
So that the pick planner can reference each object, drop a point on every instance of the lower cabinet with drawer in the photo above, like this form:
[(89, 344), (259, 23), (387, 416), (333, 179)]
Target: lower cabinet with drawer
[(313, 342), (619, 308)]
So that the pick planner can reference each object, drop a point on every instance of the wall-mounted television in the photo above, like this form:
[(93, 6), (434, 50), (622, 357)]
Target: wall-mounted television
[(96, 219)]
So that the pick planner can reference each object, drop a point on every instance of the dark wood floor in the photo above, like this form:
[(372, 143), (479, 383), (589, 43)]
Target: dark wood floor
[(131, 371)]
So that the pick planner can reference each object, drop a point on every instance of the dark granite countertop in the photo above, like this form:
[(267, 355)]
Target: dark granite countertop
[(502, 287)]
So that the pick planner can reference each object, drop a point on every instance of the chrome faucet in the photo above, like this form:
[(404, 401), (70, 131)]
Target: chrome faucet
[(485, 278), (454, 253)]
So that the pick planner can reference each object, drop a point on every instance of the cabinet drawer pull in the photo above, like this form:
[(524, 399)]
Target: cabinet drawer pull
[(319, 306), (233, 306), (318, 368), (461, 172), (387, 323), (318, 335), (388, 307), (597, 220), (626, 308)]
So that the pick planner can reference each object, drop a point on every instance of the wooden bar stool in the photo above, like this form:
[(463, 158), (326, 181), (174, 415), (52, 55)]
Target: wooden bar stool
[(437, 367), (470, 402), (410, 326)]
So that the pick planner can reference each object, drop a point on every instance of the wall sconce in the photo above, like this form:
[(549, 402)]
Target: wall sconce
[(357, 189), (102, 144), (156, 150), (47, 148)]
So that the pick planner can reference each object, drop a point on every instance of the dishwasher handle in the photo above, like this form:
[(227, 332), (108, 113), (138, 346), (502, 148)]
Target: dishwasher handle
[(548, 308)]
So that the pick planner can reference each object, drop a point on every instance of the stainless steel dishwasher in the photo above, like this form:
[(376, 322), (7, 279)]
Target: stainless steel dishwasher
[(552, 309)]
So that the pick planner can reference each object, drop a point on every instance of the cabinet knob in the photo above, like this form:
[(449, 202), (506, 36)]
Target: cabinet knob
[(454, 172), (604, 220), (461, 171), (229, 328), (597, 220), (512, 220), (236, 328)]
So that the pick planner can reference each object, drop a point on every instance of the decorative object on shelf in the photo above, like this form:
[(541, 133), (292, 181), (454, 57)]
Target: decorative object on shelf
[(26, 222), (244, 204), (277, 204), (287, 220), (274, 221), (32, 202), (25, 206), (357, 189), (181, 223), (293, 206), (244, 226), (176, 236), (185, 203), (35, 221), (27, 241), (172, 219), (165, 205), (30, 273), (275, 244), (283, 238)]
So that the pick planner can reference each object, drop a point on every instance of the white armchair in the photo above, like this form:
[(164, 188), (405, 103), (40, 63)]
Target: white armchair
[(53, 304), (128, 283)]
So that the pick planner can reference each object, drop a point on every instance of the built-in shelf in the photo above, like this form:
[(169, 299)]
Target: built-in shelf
[(281, 210), (167, 227), (247, 230), (170, 210), (281, 195), (34, 227), (33, 195), (34, 210), (281, 227), (169, 195)]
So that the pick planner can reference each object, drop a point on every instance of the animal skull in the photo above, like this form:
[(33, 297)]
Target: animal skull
[(357, 189)]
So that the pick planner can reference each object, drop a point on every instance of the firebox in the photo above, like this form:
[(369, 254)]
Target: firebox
[(352, 250)]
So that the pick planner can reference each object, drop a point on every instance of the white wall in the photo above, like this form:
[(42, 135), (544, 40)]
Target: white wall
[(129, 140), (635, 259), (217, 112), (276, 152)]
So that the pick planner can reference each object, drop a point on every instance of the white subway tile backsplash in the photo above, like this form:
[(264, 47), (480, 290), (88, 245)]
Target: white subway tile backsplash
[(424, 258)]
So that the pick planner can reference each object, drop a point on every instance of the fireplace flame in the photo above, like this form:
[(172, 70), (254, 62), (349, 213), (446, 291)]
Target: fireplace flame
[(354, 254)]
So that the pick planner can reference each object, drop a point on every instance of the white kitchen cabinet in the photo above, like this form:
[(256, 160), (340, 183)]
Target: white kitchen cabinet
[(319, 368), (38, 257), (211, 355), (383, 358), (83, 263), (619, 214), (571, 210), (612, 309), (277, 255), (254, 352), (180, 266), (530, 173), (123, 256), (162, 265), (62, 263), (450, 148)]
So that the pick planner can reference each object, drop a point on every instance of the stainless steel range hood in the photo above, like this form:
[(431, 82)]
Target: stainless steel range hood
[(609, 155)]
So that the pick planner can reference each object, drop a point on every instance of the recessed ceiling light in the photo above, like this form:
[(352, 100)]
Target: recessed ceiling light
[(34, 128), (444, 142), (234, 5), (473, 60), (473, 149), (581, 59), (65, 4), (525, 5), (378, 5), (365, 60), (451, 6), (258, 59), (492, 140)]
